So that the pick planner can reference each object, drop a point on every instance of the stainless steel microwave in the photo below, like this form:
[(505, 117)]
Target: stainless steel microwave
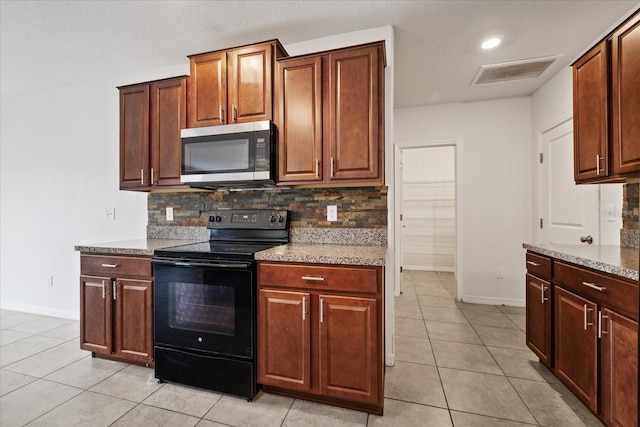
[(234, 155)]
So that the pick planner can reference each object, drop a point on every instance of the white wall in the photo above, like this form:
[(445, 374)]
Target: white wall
[(495, 182), (551, 105)]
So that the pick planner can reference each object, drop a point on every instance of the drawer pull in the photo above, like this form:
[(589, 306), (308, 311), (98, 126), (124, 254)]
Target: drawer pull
[(594, 286), (110, 265), (535, 264), (313, 278)]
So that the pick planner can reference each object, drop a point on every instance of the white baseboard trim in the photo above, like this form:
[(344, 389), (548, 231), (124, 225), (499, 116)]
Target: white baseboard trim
[(428, 268), (474, 299), (45, 311), (390, 359)]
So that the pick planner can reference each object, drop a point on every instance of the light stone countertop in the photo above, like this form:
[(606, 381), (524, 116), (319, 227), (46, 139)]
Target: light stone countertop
[(133, 247), (326, 254), (615, 260)]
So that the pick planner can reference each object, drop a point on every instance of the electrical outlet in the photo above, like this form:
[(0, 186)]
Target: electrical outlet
[(110, 214), (500, 273), (50, 281), (170, 213), (332, 213)]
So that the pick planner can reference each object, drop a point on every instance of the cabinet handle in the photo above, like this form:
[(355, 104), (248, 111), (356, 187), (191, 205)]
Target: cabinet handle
[(141, 176), (104, 285), (221, 114), (304, 308), (313, 278), (600, 330), (586, 323), (543, 299), (598, 160), (332, 167), (321, 310), (594, 286), (110, 265), (317, 166), (535, 264), (235, 113), (152, 180), (113, 288)]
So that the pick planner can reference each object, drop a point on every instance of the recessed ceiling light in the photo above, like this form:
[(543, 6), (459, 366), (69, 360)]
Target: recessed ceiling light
[(490, 43)]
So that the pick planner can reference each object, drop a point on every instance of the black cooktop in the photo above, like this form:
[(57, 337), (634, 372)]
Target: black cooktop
[(215, 250)]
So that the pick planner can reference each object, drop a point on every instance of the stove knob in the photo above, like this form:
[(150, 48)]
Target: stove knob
[(212, 218), (218, 218), (280, 218), (272, 218)]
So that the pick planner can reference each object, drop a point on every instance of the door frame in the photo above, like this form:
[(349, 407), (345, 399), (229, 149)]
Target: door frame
[(397, 169)]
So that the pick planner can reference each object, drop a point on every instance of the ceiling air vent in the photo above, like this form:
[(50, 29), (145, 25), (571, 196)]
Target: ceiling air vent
[(515, 70)]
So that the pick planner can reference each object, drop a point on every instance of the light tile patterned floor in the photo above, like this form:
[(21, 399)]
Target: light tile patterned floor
[(456, 364)]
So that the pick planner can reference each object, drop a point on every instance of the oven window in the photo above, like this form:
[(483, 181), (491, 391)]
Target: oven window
[(214, 156), (202, 308)]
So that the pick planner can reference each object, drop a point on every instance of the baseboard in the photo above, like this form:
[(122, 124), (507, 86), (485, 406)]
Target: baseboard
[(474, 299), (429, 268), (390, 359), (44, 311)]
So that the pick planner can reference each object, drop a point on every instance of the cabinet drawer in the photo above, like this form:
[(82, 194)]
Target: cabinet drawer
[(603, 289), (352, 279), (539, 266), (115, 266)]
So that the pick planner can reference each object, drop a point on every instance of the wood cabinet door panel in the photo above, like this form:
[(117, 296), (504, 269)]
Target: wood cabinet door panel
[(349, 348), (134, 136), (625, 49), (250, 84), (576, 345), (284, 335), (538, 318), (298, 117), (590, 115), (208, 89), (168, 117), (619, 364), (133, 319), (354, 94), (95, 314)]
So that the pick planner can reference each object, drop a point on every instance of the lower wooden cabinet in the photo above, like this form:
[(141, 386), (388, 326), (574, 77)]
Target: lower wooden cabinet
[(538, 318), (320, 333), (116, 309), (576, 345)]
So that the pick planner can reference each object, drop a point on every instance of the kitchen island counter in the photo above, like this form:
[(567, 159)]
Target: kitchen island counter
[(615, 260), (325, 254)]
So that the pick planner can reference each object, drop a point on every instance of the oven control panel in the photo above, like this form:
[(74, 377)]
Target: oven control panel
[(258, 219)]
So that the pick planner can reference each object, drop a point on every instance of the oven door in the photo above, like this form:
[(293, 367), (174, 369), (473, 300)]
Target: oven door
[(204, 305)]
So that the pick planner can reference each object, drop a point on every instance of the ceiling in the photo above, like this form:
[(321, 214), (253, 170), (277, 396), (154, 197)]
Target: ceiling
[(437, 54)]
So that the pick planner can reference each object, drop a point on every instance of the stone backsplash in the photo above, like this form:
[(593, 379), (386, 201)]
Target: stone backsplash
[(358, 207), (629, 235)]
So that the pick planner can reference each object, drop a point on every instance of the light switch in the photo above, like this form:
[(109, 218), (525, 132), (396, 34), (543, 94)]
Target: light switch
[(332, 213), (170, 213), (110, 214)]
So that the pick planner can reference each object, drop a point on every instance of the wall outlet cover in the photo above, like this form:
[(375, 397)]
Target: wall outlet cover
[(170, 213), (332, 213)]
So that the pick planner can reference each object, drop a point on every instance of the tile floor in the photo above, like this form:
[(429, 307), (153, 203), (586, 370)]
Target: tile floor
[(456, 364)]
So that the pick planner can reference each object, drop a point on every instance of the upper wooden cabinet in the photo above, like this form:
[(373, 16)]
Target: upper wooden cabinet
[(606, 108), (329, 110), (233, 85), (151, 116)]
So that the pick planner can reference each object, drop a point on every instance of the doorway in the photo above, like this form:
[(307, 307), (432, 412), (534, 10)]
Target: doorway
[(427, 221)]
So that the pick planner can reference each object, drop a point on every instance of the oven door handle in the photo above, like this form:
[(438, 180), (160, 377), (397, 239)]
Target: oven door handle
[(238, 266)]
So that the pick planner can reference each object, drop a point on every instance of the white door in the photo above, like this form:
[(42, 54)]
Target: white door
[(567, 211)]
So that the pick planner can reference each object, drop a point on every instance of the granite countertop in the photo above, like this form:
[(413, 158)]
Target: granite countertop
[(133, 247), (326, 254), (615, 260)]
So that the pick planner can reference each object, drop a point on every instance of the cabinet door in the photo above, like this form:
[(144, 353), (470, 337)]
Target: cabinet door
[(590, 115), (298, 117), (95, 314), (625, 50), (355, 115), (208, 89), (350, 350), (168, 116), (250, 80), (134, 137), (133, 319), (576, 345), (619, 364), (538, 318), (284, 334)]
